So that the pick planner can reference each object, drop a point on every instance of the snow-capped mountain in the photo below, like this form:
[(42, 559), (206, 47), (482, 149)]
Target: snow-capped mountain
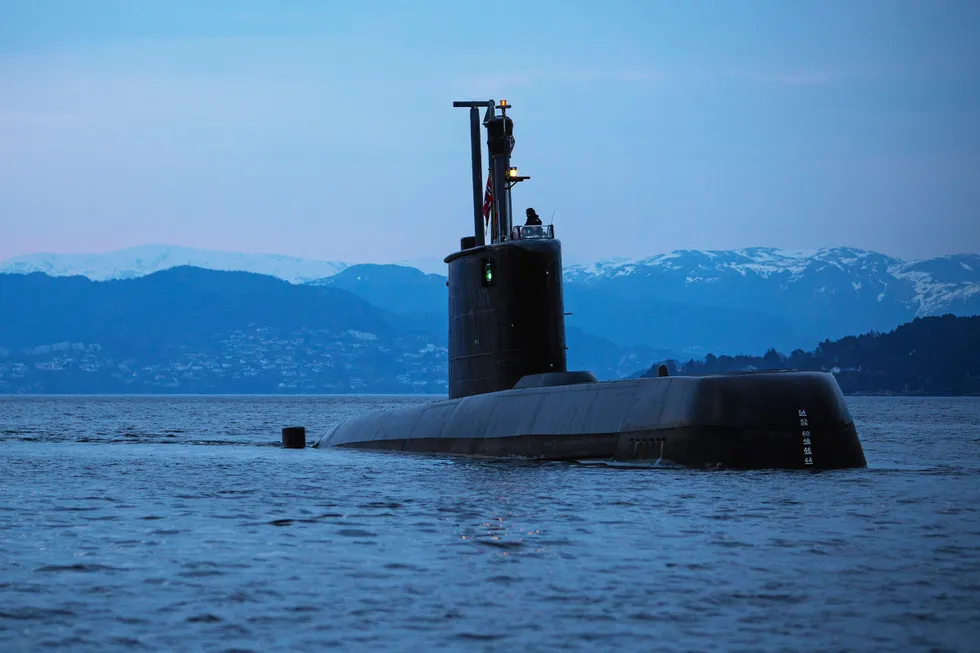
[(801, 297), (947, 284), (145, 259), (944, 284)]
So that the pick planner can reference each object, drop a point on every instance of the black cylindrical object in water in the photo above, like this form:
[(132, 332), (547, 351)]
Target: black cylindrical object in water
[(294, 437)]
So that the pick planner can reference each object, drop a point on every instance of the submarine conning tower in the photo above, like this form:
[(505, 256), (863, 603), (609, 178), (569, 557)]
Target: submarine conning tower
[(506, 308)]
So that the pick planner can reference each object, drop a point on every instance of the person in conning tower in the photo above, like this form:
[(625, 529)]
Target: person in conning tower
[(532, 218)]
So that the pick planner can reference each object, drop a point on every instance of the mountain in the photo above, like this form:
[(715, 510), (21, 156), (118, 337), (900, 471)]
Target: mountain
[(725, 302), (632, 319), (595, 342), (423, 301), (190, 330), (395, 287), (146, 259), (737, 301), (193, 330), (186, 303), (795, 299), (927, 356)]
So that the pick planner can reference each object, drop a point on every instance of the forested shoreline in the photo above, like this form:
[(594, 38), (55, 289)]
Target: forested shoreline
[(930, 356)]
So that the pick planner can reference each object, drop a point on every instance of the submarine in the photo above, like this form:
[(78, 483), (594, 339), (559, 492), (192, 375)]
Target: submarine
[(511, 394)]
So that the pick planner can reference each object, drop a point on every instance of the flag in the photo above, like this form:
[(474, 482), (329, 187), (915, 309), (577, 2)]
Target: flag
[(488, 200)]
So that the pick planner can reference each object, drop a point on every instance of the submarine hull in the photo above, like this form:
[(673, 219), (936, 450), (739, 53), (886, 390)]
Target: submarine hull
[(765, 420)]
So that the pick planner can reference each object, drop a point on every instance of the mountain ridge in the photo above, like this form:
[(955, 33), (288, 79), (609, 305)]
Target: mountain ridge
[(142, 260), (688, 301), (189, 330), (193, 330), (708, 266)]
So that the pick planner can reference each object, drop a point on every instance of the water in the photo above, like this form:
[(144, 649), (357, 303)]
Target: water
[(179, 524)]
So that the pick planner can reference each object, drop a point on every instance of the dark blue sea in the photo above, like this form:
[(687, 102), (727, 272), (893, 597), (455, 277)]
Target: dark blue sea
[(179, 524)]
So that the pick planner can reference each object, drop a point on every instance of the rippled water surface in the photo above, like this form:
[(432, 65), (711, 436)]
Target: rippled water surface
[(179, 524)]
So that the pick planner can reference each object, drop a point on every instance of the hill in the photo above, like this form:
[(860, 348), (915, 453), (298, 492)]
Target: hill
[(193, 330), (422, 300), (190, 330), (693, 302), (927, 356), (724, 302), (419, 298)]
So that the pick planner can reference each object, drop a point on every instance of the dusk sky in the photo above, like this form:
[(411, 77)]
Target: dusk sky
[(326, 129)]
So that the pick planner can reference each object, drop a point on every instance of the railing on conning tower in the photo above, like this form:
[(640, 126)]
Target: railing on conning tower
[(533, 232)]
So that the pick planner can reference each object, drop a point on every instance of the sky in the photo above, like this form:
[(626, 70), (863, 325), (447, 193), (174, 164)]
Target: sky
[(326, 129)]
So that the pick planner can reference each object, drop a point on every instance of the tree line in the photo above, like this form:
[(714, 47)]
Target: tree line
[(927, 356)]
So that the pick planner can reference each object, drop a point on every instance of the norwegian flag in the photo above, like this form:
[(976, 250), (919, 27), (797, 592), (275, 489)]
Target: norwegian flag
[(487, 200)]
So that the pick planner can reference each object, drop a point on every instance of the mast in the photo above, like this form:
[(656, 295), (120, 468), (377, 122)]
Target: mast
[(500, 144)]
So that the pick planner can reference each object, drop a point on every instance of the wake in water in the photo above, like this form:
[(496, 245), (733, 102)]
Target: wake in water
[(634, 464)]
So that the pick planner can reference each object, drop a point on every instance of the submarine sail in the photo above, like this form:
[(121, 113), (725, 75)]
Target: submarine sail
[(511, 394), (506, 310)]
